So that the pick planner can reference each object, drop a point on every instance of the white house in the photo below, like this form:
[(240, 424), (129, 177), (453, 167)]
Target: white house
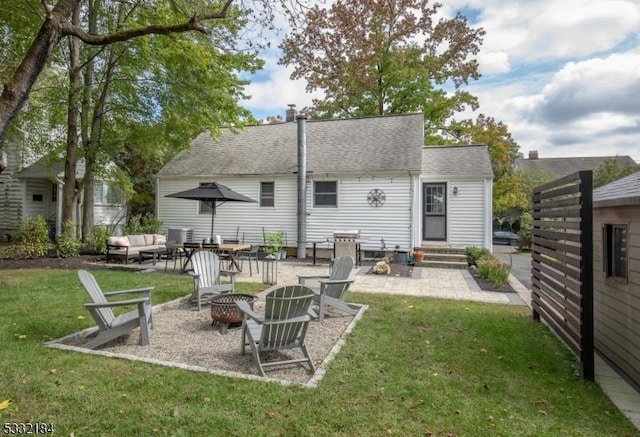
[(35, 190), (368, 174)]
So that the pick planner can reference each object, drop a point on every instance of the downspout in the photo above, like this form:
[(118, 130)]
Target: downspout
[(302, 185)]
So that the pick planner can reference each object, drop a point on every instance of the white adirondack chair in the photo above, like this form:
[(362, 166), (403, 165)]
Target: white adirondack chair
[(110, 326), (333, 287), (206, 277), (283, 326)]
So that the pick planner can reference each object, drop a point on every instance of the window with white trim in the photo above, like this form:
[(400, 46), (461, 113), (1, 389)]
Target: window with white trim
[(107, 193), (325, 194), (267, 194), (204, 207)]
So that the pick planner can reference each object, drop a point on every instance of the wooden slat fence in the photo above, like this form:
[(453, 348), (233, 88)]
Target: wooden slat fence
[(562, 263)]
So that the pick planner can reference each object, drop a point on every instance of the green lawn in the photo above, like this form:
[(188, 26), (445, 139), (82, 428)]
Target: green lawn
[(412, 366)]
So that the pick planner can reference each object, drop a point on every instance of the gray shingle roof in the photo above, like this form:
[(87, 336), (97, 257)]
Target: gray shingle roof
[(560, 167), (470, 160), (625, 191), (44, 169), (387, 143)]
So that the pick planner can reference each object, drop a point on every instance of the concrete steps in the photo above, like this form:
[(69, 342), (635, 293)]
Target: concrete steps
[(442, 257)]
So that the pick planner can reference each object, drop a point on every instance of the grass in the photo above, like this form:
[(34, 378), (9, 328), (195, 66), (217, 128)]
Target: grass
[(412, 366)]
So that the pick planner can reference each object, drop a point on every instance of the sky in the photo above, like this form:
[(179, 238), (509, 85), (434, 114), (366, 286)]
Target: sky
[(563, 75)]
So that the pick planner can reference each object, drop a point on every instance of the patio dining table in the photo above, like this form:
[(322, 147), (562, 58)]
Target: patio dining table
[(231, 249)]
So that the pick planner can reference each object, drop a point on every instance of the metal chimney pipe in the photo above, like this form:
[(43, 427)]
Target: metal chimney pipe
[(302, 185)]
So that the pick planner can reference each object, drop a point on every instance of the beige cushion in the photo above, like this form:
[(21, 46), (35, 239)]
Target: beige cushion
[(137, 240), (118, 241), (159, 239), (148, 239)]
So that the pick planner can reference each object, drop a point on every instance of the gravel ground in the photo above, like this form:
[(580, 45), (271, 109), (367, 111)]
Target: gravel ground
[(184, 335)]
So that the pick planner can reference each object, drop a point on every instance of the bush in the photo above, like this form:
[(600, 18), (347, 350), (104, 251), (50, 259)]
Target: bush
[(473, 253), (526, 231), (142, 225), (67, 244), (274, 241), (490, 268), (33, 237), (97, 240)]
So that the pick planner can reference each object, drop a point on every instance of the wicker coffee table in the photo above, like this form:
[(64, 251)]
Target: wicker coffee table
[(224, 311)]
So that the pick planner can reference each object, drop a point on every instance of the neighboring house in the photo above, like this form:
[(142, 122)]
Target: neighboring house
[(35, 190), (559, 167), (368, 174), (616, 274)]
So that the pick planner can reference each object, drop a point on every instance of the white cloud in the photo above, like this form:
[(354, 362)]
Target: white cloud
[(546, 29), (601, 85), (494, 62), (554, 71), (271, 96)]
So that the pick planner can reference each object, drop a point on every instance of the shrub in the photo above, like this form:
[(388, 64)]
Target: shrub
[(33, 237), (490, 268), (474, 252), (143, 225), (525, 232), (97, 240), (274, 241), (67, 244)]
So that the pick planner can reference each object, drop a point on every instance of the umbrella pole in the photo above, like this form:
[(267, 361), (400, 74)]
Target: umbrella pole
[(213, 215)]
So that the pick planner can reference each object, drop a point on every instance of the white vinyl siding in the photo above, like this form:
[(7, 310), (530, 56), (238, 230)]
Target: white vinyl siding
[(467, 214), (248, 221), (391, 221), (242, 220), (32, 208)]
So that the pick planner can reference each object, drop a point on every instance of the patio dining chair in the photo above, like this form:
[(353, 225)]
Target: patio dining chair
[(250, 255), (174, 252)]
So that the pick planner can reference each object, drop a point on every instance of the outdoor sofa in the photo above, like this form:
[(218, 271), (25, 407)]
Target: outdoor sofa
[(130, 246)]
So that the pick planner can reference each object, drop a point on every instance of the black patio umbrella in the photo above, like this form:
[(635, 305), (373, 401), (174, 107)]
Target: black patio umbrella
[(212, 194)]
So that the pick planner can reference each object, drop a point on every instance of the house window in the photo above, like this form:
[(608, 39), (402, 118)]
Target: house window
[(267, 193), (325, 193), (615, 238), (107, 193), (205, 208), (54, 192)]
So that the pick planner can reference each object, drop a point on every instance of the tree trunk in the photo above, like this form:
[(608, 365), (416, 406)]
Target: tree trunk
[(89, 202), (70, 195), (16, 91)]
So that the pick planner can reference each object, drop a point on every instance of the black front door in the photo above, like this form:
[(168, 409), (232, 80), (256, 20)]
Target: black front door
[(434, 200)]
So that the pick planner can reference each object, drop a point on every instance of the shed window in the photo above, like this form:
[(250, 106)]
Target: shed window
[(615, 253), (325, 193), (267, 193)]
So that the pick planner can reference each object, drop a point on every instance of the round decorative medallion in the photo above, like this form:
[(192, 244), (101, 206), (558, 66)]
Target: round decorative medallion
[(376, 197)]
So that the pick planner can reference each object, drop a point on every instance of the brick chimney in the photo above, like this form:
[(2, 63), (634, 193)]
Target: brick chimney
[(533, 154), (291, 113)]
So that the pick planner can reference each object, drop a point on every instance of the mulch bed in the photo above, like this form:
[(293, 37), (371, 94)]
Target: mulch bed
[(49, 262), (488, 285)]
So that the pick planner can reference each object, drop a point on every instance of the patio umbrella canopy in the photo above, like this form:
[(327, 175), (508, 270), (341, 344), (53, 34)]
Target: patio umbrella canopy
[(212, 194)]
